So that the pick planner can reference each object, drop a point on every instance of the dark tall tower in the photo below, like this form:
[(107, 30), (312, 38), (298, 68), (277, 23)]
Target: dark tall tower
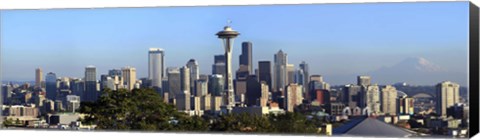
[(246, 56), (90, 84), (280, 71), (265, 73), (219, 58), (219, 66), (305, 71), (174, 82), (51, 85)]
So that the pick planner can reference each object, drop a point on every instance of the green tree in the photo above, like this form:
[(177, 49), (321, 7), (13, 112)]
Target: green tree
[(17, 122), (8, 122), (292, 123), (140, 109), (144, 109)]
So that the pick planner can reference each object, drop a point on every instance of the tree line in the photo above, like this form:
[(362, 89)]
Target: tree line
[(144, 110)]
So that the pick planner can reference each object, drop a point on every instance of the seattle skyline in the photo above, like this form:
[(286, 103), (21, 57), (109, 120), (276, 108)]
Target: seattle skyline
[(103, 37)]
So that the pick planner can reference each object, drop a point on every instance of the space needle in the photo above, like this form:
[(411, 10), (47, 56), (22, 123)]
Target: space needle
[(227, 36)]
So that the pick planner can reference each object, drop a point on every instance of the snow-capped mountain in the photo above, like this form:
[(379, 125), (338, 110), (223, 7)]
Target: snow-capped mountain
[(416, 70)]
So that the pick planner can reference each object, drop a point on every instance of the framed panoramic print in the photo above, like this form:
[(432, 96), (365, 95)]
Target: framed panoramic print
[(401, 70)]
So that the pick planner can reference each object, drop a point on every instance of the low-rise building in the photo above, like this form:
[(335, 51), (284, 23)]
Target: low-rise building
[(62, 119)]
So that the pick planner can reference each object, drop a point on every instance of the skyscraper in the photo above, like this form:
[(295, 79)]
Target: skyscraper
[(51, 85), (182, 101), (265, 94), (185, 79), (241, 83), (293, 96), (194, 74), (246, 56), (290, 73), (201, 87), (280, 71), (156, 66), (373, 98), (216, 85), (389, 100), (254, 91), (241, 87), (90, 83), (219, 66), (300, 77), (242, 72), (173, 74), (6, 93), (447, 95), (129, 77), (38, 77), (219, 58), (77, 86), (265, 73), (315, 85), (353, 93), (305, 69)]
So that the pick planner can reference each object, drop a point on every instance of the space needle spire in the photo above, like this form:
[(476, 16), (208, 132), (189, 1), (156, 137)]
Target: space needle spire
[(227, 36)]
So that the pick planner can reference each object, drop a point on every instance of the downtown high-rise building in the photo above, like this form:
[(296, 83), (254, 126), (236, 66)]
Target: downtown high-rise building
[(219, 58), (185, 79), (173, 74), (299, 77), (182, 101), (7, 92), (314, 86), (265, 94), (77, 86), (38, 78), (265, 73), (352, 95), (389, 100), (201, 87), (306, 74), (219, 65), (290, 74), (294, 96), (129, 77), (51, 85), (241, 84), (91, 93), (216, 84), (373, 98), (448, 94), (316, 82), (192, 64), (156, 65), (280, 71), (246, 56), (254, 91)]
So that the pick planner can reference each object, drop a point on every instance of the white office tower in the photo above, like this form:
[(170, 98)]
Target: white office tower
[(156, 65)]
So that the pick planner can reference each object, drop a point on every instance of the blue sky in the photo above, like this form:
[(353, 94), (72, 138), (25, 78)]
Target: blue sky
[(335, 39)]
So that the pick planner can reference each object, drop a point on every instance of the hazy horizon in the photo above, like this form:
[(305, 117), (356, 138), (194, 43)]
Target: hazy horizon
[(336, 40)]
